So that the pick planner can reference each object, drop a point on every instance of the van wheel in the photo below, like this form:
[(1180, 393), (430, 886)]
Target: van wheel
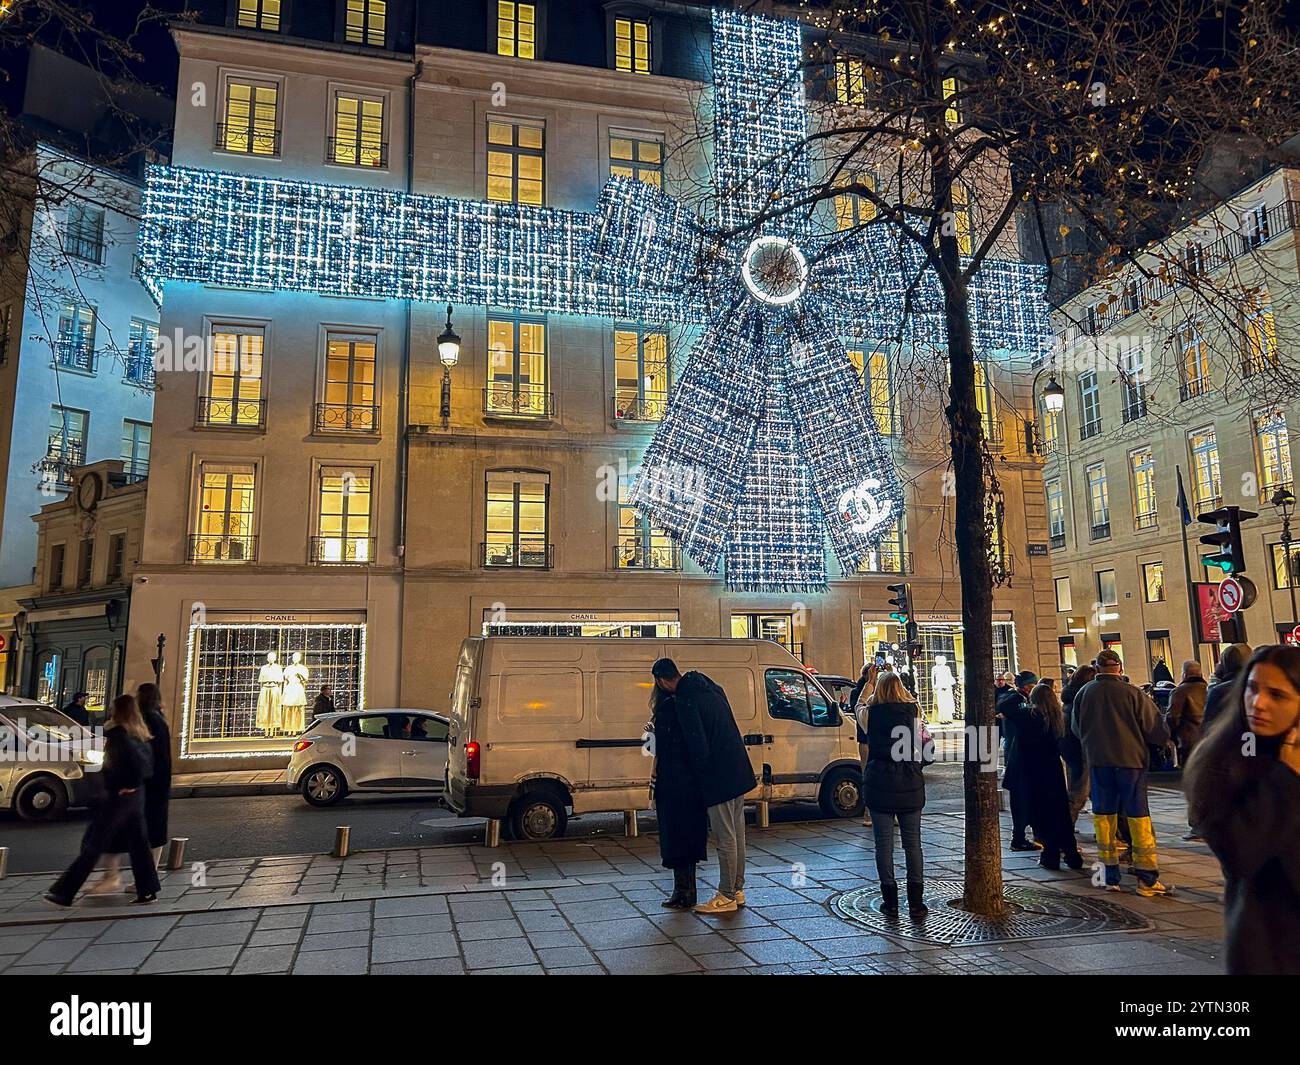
[(41, 799), (323, 785), (537, 815), (841, 794)]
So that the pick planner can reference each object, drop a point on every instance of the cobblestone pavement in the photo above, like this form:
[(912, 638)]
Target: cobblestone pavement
[(589, 906)]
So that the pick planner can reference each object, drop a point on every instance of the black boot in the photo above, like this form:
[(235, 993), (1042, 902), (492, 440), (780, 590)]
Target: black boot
[(916, 907), (889, 899), (683, 896)]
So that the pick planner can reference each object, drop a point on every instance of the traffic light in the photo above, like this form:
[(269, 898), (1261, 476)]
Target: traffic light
[(1230, 557), (901, 602)]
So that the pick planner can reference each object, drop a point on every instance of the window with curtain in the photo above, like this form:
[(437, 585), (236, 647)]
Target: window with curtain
[(1195, 361), (224, 524), (234, 387), (517, 371), (251, 118), (349, 404), (259, 15), (517, 522), (344, 534), (641, 543), (1272, 451), (1207, 487), (366, 22), (632, 45)]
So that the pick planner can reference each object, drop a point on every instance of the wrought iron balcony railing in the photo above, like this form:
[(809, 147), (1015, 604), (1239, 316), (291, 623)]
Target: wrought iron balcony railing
[(518, 401), (523, 553), (886, 560), (637, 554), (342, 550), (1100, 530), (247, 140), (346, 418), (75, 353), (59, 462), (348, 151), (1145, 520), (645, 407), (222, 547), (226, 413), (1058, 541), (1197, 386)]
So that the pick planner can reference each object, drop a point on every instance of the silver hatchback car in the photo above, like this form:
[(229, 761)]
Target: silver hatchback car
[(370, 750)]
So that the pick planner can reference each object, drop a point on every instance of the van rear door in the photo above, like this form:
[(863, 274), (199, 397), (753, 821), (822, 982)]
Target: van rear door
[(462, 709)]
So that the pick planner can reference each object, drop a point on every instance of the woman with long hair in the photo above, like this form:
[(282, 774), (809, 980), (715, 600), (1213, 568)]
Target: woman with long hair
[(894, 789), (679, 805), (1243, 791), (1039, 726), (128, 762)]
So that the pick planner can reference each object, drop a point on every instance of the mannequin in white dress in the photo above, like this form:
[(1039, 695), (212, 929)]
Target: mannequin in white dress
[(942, 682), (294, 700), (269, 680)]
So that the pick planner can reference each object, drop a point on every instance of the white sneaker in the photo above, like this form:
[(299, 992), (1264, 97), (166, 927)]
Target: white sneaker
[(718, 904), (106, 887)]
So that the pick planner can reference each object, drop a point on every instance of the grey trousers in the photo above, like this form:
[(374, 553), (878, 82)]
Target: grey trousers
[(727, 820)]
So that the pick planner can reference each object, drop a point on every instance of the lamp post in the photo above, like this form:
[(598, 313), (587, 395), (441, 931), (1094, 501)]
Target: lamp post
[(1053, 403), (449, 355), (1284, 501)]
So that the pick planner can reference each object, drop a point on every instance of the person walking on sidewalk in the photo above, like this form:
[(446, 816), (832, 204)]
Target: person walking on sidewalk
[(1115, 722), (722, 770), (127, 765), (1014, 698), (893, 787), (1232, 659), (678, 802), (1076, 766), (1243, 789), (1039, 724), (1186, 713)]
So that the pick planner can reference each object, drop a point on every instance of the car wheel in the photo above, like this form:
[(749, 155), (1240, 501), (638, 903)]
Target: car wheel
[(41, 799), (323, 785), (537, 815), (841, 794)]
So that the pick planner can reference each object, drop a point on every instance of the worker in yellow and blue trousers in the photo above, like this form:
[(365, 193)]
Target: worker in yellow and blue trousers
[(1114, 722)]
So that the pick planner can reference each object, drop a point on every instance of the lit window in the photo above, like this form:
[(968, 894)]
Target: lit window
[(517, 368), (640, 374), (875, 375), (223, 528), (358, 131), (1195, 360), (517, 522), (852, 209), (515, 157), (344, 533), (259, 15), (1285, 576), (1261, 334), (75, 347), (516, 29), (632, 45), (641, 543), (1272, 451), (952, 109), (890, 555), (1207, 488), (1098, 500), (234, 386), (349, 395), (250, 124), (637, 155), (851, 79), (987, 404), (366, 22), (964, 220), (1143, 469), (1153, 582)]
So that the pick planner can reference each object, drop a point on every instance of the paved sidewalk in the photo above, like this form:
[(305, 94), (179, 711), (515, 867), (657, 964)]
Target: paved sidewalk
[(587, 906)]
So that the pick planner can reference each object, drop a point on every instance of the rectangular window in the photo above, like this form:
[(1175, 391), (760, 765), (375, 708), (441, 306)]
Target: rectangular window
[(632, 45), (873, 369), (1255, 226), (516, 157), (952, 109), (84, 238), (517, 383), (1272, 451), (259, 15), (637, 155), (66, 446), (135, 449), (641, 543), (516, 29), (987, 404), (1089, 405), (1133, 297), (366, 22), (58, 559), (349, 404), (224, 522), (251, 118), (1064, 600), (358, 138), (1142, 468), (1098, 500), (1153, 582), (852, 209), (116, 558), (1286, 576), (964, 218), (1055, 512), (640, 374), (1195, 361), (890, 554), (1194, 259), (234, 386), (141, 348), (1107, 591), (1051, 423), (516, 524), (1261, 334), (1207, 488), (85, 562), (75, 347), (851, 79), (1159, 650), (343, 524), (1134, 381), (1069, 653)]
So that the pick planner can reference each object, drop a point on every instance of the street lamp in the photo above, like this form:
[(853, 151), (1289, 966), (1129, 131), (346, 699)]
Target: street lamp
[(1284, 501), (449, 355), (1054, 395)]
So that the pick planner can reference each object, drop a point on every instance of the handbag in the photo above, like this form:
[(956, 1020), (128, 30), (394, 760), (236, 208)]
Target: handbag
[(925, 742)]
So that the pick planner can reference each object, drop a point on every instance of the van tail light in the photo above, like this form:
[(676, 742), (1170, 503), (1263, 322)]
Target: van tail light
[(302, 745), (471, 759)]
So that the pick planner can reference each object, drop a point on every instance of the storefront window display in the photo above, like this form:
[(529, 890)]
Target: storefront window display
[(250, 685), (654, 624), (939, 671)]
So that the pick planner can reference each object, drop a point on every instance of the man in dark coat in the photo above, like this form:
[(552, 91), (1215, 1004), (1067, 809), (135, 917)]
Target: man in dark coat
[(324, 703), (721, 764), (1012, 699), (77, 709)]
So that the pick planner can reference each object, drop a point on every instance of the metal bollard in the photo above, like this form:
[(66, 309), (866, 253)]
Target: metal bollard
[(4, 861), (1002, 801), (341, 836), (761, 815), (176, 852), (492, 837), (629, 824)]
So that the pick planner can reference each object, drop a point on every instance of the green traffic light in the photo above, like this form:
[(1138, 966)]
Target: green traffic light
[(1218, 563)]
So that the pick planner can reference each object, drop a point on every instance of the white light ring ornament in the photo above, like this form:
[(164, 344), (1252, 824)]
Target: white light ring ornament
[(755, 284)]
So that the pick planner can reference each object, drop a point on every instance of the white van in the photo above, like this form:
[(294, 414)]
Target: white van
[(541, 726)]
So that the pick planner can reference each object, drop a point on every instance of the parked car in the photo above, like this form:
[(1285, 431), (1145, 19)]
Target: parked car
[(371, 750), (45, 762), (543, 726)]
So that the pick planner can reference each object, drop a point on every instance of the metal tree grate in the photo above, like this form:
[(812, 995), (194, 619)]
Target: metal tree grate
[(1032, 912)]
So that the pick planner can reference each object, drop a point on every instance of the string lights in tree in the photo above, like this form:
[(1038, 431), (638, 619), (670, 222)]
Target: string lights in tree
[(768, 446)]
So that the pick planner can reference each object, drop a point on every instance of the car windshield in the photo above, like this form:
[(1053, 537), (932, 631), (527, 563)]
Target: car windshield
[(45, 718)]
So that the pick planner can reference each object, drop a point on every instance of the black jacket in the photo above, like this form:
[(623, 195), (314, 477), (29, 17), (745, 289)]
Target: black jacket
[(158, 789), (1009, 701), (713, 741), (323, 705), (679, 804), (1255, 833), (1217, 698), (79, 714), (892, 784), (128, 762), (1039, 779)]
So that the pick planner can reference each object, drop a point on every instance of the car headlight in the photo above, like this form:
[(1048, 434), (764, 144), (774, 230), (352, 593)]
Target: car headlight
[(91, 758)]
